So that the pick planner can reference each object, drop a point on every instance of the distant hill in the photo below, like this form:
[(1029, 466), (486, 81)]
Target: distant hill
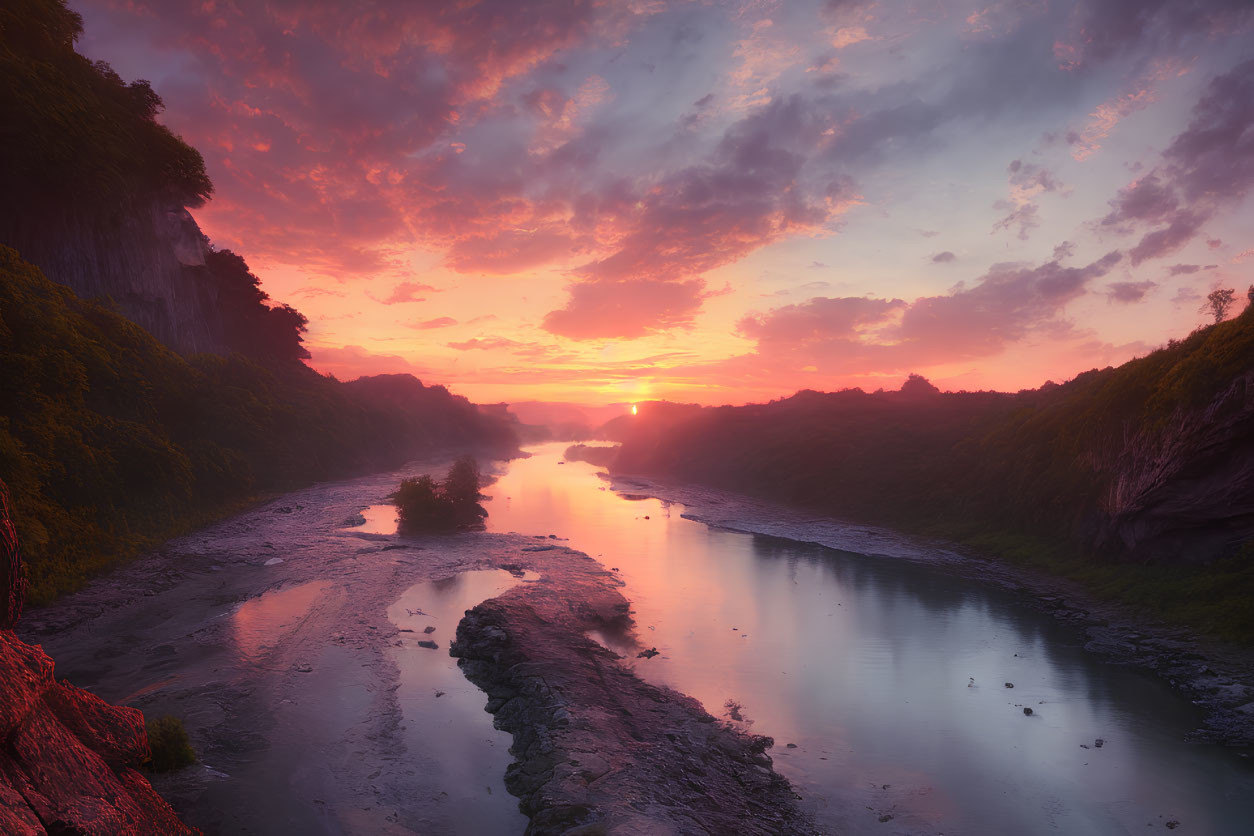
[(1150, 463), (566, 421)]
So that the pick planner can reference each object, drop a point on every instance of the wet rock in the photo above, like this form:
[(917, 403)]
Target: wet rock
[(1010, 685), (303, 667), (428, 644), (647, 654), (428, 629), (1172, 825), (598, 749), (1027, 712), (1099, 743)]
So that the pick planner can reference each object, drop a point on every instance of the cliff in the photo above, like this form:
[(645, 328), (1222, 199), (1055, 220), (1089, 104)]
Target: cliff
[(147, 256), (97, 193), (67, 758), (1183, 491)]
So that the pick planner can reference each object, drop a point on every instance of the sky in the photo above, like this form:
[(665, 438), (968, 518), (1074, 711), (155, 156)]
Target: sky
[(603, 201)]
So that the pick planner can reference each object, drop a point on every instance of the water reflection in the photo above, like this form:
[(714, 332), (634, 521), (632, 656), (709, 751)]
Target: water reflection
[(890, 677), (375, 519), (445, 720), (260, 623)]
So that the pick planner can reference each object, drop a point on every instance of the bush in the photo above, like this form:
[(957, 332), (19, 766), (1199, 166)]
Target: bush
[(171, 750), (426, 505)]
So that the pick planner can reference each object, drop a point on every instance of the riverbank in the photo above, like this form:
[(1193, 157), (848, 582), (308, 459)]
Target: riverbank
[(1217, 677), (269, 634)]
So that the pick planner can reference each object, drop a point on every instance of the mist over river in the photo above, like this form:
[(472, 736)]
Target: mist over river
[(294, 642)]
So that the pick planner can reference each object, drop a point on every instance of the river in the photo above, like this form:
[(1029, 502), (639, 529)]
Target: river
[(290, 640), (891, 677)]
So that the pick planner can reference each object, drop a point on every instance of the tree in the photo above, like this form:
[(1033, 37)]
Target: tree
[(425, 505), (1217, 303)]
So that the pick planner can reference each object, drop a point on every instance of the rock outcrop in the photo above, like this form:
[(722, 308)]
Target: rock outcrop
[(67, 758), (600, 751), (146, 255), (1185, 491)]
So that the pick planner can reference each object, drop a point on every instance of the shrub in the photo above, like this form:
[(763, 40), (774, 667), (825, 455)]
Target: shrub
[(171, 750), (426, 505)]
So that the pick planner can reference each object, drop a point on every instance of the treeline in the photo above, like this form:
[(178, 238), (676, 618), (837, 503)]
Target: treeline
[(73, 128), (1150, 464), (111, 442)]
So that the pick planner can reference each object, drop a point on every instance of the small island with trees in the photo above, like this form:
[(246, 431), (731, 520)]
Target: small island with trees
[(424, 505)]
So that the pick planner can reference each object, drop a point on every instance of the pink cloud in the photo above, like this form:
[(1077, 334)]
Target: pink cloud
[(352, 361), (628, 308)]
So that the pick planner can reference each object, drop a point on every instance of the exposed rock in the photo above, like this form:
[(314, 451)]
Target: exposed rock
[(1027, 712), (1185, 490), (598, 749), (12, 583), (148, 257), (67, 758)]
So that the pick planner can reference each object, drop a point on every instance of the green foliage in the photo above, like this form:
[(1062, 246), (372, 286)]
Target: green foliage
[(252, 327), (426, 505), (72, 129), (171, 749), (110, 442)]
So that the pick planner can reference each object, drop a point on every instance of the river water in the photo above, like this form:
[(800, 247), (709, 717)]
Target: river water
[(889, 678)]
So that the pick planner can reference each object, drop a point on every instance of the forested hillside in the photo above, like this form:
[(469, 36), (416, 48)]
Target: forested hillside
[(1148, 464), (110, 441)]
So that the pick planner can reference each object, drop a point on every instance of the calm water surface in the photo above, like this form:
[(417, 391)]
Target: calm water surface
[(889, 677)]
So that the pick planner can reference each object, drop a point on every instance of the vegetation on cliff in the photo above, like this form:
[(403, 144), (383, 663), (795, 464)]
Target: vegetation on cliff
[(1128, 478), (73, 129), (111, 442), (95, 193), (423, 504)]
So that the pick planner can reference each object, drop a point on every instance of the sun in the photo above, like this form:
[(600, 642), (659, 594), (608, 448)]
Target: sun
[(633, 409)]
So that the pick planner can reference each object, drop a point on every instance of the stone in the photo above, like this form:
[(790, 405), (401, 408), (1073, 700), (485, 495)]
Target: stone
[(67, 757)]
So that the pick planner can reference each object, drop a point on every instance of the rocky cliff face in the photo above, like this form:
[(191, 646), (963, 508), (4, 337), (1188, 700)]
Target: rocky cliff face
[(67, 758), (1185, 491), (148, 255)]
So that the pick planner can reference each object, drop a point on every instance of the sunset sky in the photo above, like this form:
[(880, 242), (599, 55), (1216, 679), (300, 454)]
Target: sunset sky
[(715, 201)]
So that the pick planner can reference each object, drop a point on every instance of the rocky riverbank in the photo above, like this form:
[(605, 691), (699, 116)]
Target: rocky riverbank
[(598, 750)]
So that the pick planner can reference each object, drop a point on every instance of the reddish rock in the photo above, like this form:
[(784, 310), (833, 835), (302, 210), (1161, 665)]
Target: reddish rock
[(12, 584), (67, 758)]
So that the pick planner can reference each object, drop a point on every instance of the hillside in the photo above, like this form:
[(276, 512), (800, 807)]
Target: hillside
[(1150, 464), (97, 194), (110, 441)]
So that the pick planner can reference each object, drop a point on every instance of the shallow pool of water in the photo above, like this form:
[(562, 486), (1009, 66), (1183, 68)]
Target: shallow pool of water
[(891, 678), (443, 713)]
